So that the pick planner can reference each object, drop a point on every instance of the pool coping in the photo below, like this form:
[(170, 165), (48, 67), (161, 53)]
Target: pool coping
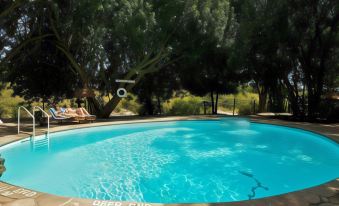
[(326, 194)]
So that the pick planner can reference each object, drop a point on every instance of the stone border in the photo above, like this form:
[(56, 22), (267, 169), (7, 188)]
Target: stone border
[(324, 195)]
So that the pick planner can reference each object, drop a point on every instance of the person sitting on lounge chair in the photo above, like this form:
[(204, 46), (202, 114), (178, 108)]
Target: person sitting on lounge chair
[(88, 116), (70, 112), (80, 112), (69, 116), (59, 112)]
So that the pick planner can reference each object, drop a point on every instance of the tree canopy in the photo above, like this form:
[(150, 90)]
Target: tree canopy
[(287, 49)]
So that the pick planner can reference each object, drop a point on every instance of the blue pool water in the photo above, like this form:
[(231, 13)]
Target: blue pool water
[(175, 162)]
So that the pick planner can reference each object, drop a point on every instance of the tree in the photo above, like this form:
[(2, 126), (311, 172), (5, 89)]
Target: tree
[(156, 88), (29, 59), (313, 30), (134, 46), (205, 67), (262, 30), (288, 48), (82, 31)]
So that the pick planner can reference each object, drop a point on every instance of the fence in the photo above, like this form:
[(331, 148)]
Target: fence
[(232, 107)]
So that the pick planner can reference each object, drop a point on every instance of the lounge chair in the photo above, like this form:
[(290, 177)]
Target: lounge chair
[(88, 116), (82, 114), (59, 118)]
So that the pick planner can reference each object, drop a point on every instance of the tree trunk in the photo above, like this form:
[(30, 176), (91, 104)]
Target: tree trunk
[(314, 92), (294, 105), (102, 111), (216, 104), (149, 106), (212, 102), (314, 99), (262, 101), (110, 106), (94, 106), (159, 105), (262, 93), (303, 103), (293, 97), (276, 98)]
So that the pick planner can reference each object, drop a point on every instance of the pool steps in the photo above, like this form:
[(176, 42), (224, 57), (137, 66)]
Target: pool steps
[(41, 143), (36, 143)]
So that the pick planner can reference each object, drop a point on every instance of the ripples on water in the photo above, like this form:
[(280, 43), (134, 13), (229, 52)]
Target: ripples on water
[(176, 162)]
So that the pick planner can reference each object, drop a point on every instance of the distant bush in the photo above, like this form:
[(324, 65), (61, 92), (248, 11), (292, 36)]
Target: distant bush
[(240, 97), (245, 109), (2, 111), (8, 103), (182, 103), (130, 104), (189, 105), (243, 102)]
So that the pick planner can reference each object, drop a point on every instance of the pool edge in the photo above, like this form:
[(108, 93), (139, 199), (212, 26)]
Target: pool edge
[(327, 193)]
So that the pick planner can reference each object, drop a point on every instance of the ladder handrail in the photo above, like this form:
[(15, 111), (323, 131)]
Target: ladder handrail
[(44, 112), (30, 114)]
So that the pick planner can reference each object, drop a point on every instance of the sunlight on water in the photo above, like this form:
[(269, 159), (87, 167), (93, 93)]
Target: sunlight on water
[(175, 162)]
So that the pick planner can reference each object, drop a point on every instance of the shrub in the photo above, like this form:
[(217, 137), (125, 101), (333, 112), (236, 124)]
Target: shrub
[(2, 111), (245, 109), (184, 106), (8, 103), (130, 103)]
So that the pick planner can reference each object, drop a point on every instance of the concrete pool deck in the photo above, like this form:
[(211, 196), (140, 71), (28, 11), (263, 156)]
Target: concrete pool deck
[(323, 195)]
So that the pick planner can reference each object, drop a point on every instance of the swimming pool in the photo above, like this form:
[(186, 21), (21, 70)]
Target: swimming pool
[(175, 162)]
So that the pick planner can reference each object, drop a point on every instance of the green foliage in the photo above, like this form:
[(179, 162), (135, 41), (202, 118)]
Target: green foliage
[(243, 102), (285, 49), (245, 109), (210, 18), (242, 96), (189, 105), (154, 89), (8, 103), (130, 103)]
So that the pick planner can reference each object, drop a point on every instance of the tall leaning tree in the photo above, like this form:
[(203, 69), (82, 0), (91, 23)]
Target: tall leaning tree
[(135, 46), (100, 41)]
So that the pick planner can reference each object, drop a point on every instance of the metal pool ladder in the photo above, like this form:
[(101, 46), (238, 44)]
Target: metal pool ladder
[(41, 142), (30, 114)]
